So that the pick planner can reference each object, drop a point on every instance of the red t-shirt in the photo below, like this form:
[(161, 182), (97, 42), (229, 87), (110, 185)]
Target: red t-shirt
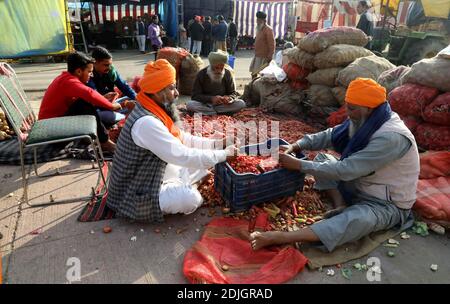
[(63, 91)]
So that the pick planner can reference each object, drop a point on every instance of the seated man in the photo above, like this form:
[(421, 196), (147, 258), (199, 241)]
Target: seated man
[(104, 79), (155, 163), (69, 95), (214, 89), (376, 175)]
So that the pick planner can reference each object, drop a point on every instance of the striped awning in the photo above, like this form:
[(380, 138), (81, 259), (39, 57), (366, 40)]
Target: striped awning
[(101, 13), (277, 16)]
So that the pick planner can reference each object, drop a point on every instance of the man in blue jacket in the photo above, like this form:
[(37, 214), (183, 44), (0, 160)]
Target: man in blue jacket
[(104, 79), (219, 32)]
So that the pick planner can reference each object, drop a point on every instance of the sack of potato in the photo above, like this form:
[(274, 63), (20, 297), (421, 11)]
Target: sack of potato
[(320, 40), (5, 131), (339, 55)]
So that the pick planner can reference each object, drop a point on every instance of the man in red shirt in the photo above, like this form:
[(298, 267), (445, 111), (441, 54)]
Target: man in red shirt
[(69, 95)]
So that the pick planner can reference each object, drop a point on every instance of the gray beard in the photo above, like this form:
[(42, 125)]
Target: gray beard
[(172, 111), (355, 126), (215, 78), (259, 28)]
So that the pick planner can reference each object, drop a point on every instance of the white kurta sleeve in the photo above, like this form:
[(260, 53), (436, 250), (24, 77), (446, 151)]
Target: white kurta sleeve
[(150, 133), (200, 142)]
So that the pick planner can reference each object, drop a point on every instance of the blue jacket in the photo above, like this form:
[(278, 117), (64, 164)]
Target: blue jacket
[(105, 83), (220, 31)]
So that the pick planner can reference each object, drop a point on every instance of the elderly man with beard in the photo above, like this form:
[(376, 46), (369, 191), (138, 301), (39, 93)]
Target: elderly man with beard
[(214, 90), (156, 164), (264, 45), (374, 182)]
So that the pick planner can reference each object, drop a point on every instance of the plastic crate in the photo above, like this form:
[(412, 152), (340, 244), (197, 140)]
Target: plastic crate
[(242, 191)]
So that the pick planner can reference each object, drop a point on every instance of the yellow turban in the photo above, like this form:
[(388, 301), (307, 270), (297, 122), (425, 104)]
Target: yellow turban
[(157, 76), (365, 92)]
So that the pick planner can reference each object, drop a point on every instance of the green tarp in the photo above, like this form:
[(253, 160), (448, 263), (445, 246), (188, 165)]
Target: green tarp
[(32, 28)]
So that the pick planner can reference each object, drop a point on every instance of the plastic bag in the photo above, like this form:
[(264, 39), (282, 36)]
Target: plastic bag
[(273, 72), (445, 53), (339, 55)]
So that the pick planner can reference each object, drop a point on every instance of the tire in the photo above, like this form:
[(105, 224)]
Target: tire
[(426, 48)]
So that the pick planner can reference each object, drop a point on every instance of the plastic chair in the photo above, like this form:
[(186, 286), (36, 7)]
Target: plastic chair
[(32, 132)]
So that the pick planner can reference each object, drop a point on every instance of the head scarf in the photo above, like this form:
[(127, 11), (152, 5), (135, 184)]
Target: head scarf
[(365, 92), (219, 57), (157, 76)]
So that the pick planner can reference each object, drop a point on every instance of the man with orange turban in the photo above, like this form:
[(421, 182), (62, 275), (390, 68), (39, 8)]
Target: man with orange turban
[(156, 163), (373, 184)]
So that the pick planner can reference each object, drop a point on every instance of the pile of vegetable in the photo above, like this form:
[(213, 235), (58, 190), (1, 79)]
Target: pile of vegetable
[(5, 131)]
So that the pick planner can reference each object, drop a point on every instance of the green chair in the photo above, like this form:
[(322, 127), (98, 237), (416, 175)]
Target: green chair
[(32, 132)]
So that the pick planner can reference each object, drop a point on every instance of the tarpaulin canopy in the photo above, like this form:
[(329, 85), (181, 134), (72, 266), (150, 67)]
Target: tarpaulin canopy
[(30, 28), (277, 16)]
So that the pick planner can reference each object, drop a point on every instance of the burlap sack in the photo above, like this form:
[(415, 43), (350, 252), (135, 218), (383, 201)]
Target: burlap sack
[(325, 77), (281, 98), (339, 94), (366, 67), (300, 58), (433, 72), (190, 67), (391, 79), (319, 40), (339, 55), (322, 96)]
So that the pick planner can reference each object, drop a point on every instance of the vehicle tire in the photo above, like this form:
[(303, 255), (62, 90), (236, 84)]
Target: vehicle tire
[(426, 48)]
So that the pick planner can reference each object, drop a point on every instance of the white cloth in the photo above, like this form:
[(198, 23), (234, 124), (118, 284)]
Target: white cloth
[(279, 58), (197, 47), (141, 42), (188, 162)]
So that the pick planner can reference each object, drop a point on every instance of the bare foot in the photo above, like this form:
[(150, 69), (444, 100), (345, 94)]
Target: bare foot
[(259, 240), (108, 146)]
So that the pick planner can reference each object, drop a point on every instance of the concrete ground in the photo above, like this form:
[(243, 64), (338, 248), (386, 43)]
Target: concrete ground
[(38, 244)]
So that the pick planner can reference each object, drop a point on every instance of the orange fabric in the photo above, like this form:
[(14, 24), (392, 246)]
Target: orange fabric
[(225, 242), (157, 76), (365, 92), (153, 107)]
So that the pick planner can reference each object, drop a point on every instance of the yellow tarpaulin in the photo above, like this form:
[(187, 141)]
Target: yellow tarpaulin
[(31, 28), (436, 8)]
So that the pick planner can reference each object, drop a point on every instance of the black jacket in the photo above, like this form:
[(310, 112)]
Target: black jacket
[(197, 31), (208, 30), (232, 30)]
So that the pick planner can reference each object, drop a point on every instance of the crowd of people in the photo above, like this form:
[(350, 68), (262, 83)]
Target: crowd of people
[(157, 165)]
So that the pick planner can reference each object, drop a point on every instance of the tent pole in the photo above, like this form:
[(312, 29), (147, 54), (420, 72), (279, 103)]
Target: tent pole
[(82, 30)]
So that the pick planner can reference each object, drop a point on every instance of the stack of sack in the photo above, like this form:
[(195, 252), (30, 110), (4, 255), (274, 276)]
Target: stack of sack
[(423, 102), (190, 67), (335, 56)]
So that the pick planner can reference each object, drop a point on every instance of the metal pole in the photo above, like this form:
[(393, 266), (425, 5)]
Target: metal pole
[(81, 27)]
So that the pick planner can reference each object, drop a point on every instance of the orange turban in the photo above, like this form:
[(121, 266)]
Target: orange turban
[(157, 76), (365, 92)]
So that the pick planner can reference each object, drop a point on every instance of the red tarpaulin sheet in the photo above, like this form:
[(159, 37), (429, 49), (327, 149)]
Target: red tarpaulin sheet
[(225, 242)]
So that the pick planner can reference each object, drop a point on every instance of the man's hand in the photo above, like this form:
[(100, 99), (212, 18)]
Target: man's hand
[(111, 96), (291, 149), (227, 100), (116, 106), (232, 152), (217, 100), (289, 162)]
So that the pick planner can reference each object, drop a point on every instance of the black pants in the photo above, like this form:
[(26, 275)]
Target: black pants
[(206, 47), (81, 107)]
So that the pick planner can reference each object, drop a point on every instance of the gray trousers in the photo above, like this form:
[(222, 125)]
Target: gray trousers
[(209, 109), (364, 216)]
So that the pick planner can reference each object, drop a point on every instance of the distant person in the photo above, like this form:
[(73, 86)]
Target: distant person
[(279, 55), (105, 78), (68, 95), (197, 32), (264, 45), (154, 35), (366, 21), (189, 32), (183, 36), (207, 37), (214, 89), (220, 31), (233, 34), (140, 34)]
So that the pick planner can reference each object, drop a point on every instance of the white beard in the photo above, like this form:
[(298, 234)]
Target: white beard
[(216, 78), (259, 27), (355, 126)]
